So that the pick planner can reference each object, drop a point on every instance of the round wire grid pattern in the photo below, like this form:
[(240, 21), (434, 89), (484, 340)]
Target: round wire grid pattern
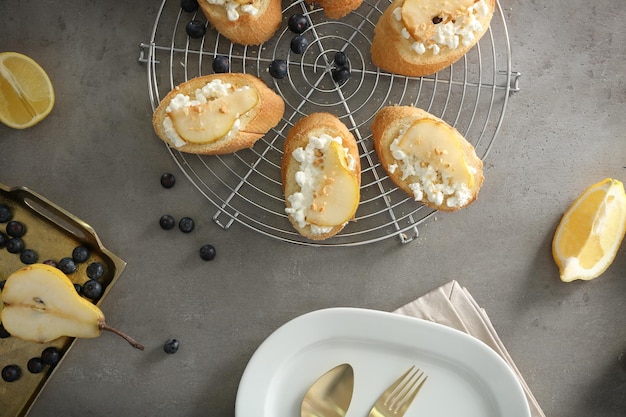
[(245, 187)]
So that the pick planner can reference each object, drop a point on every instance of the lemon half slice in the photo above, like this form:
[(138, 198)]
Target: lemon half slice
[(26, 93), (591, 231)]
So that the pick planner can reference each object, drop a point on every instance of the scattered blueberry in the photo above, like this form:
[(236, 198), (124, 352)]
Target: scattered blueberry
[(28, 256), (3, 240), (221, 64), (4, 281), (78, 288), (11, 373), (51, 356), (207, 252), (168, 180), (171, 346), (340, 59), (278, 69), (51, 262), (80, 254), (5, 213), (35, 365), (186, 224), (67, 265), (95, 270), (15, 245), (189, 6), (167, 222), (298, 23), (340, 75), (299, 44), (16, 229), (195, 29), (4, 333), (92, 289)]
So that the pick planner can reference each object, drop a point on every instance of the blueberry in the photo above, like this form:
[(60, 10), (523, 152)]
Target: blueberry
[(189, 6), (51, 263), (171, 346), (168, 180), (207, 252), (298, 23), (80, 254), (299, 44), (95, 270), (78, 288), (15, 245), (28, 256), (4, 281), (221, 64), (35, 365), (67, 265), (186, 224), (278, 69), (340, 75), (195, 29), (92, 289), (5, 213), (167, 222), (16, 229), (4, 333), (51, 356), (340, 59), (11, 373), (3, 240)]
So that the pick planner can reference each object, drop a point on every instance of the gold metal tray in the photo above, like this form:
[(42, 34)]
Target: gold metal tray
[(53, 233)]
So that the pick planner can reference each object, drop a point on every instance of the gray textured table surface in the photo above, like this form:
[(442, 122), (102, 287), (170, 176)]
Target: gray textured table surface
[(96, 155)]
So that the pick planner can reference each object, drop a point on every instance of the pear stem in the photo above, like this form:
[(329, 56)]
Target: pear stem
[(133, 342)]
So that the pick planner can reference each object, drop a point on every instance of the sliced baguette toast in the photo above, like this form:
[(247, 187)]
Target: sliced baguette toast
[(252, 124), (336, 9), (231, 19), (417, 38), (299, 140), (434, 163)]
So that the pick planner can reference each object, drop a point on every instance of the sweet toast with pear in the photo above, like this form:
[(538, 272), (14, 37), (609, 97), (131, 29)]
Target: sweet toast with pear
[(246, 22), (421, 37), (427, 158), (336, 9), (321, 176), (217, 113)]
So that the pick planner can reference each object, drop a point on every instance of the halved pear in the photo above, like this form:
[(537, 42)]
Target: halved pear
[(40, 304), (418, 15), (337, 197), (434, 142), (207, 122)]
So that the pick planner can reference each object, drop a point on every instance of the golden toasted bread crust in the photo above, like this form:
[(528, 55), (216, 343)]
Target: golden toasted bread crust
[(254, 124), (336, 9), (314, 124), (388, 124), (393, 52), (248, 29)]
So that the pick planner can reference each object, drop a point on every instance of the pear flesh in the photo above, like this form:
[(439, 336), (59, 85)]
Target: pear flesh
[(40, 304), (337, 197), (212, 120), (418, 15), (434, 144)]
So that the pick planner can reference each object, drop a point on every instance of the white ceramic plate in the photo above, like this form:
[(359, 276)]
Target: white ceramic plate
[(466, 378)]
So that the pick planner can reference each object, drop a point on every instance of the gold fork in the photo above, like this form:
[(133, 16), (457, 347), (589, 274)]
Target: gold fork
[(398, 397)]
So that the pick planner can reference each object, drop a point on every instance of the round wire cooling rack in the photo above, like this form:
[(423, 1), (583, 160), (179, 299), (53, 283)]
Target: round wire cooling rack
[(245, 187)]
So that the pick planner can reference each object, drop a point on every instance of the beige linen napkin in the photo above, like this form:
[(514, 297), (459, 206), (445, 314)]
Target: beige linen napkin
[(453, 306)]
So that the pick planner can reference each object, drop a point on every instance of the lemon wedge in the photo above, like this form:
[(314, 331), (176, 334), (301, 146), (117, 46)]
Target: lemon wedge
[(591, 231), (26, 93)]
